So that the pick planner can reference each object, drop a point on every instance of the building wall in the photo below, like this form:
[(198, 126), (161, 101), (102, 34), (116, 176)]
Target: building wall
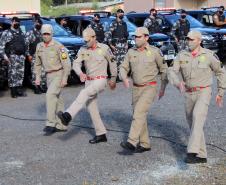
[(20, 5), (146, 5)]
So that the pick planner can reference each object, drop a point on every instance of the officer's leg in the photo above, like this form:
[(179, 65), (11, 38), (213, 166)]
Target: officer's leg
[(60, 107), (20, 67), (91, 89), (52, 96), (196, 142), (12, 75), (141, 109), (95, 116), (189, 106), (144, 136)]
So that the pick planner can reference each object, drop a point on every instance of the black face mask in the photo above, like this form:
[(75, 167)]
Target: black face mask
[(96, 21), (16, 26), (221, 12), (121, 17), (183, 16), (154, 14), (38, 26)]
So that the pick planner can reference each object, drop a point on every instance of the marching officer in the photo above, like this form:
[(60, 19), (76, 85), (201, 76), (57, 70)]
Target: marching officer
[(53, 57), (196, 66), (96, 57), (180, 30), (145, 62), (33, 37), (151, 23), (98, 28), (117, 37), (13, 49), (219, 17)]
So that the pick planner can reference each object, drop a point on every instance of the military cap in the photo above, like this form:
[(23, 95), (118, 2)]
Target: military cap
[(120, 11), (141, 31), (194, 35), (47, 28)]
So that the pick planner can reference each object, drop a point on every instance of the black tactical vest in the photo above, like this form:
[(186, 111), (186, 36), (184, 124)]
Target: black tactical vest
[(99, 30), (183, 29), (120, 32), (154, 27), (17, 44), (33, 45)]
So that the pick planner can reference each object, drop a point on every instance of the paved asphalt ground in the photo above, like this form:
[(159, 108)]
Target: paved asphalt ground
[(29, 158)]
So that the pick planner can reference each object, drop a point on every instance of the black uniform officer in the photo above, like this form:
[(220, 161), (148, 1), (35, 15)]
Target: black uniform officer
[(219, 17), (180, 30), (151, 23)]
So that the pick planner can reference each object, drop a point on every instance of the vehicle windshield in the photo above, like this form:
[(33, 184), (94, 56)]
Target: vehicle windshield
[(172, 18), (27, 25)]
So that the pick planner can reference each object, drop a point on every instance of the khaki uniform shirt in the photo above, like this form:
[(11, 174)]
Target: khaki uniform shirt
[(198, 71), (144, 65), (96, 61), (52, 57)]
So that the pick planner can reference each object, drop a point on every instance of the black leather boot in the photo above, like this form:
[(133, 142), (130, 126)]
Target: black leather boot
[(20, 91), (98, 139), (37, 89), (13, 92)]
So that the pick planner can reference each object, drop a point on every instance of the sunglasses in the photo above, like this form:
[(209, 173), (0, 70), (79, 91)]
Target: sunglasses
[(46, 34), (138, 37)]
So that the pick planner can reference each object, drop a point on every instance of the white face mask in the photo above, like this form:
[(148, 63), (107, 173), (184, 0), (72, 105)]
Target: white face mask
[(47, 38)]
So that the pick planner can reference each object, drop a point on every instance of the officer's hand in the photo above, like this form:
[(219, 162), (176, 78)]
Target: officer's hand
[(63, 84), (37, 82), (219, 101), (113, 47), (161, 93), (6, 59), (83, 77), (29, 58), (181, 87), (112, 84), (126, 83)]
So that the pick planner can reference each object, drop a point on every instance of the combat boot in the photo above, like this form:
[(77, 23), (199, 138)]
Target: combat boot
[(13, 92), (20, 91)]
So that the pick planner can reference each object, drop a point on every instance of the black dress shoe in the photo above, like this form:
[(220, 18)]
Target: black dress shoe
[(49, 130), (37, 89), (64, 117), (59, 130), (193, 159), (128, 146), (141, 149), (98, 139)]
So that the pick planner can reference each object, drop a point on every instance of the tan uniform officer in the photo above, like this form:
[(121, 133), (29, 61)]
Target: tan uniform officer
[(196, 67), (96, 57), (52, 56), (145, 63)]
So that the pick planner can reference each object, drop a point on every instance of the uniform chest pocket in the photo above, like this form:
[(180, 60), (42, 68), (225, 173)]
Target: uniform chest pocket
[(52, 54), (202, 65)]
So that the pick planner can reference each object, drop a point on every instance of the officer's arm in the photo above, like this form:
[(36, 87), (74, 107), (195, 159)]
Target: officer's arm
[(5, 38), (66, 63), (124, 68), (217, 22), (220, 73), (28, 40), (37, 65), (112, 64), (172, 72), (77, 64), (162, 69), (109, 34), (174, 29), (147, 22)]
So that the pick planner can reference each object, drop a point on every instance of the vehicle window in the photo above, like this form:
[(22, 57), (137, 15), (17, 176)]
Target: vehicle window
[(193, 22), (27, 25)]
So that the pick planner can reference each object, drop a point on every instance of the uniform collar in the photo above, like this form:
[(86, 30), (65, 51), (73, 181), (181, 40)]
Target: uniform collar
[(50, 44), (147, 47)]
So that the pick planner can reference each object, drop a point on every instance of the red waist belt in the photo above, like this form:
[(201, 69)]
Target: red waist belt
[(96, 77), (146, 84), (193, 89), (55, 70)]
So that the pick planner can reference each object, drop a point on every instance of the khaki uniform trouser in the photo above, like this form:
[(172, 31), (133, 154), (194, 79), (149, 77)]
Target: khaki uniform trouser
[(196, 106), (142, 98), (88, 97), (54, 101)]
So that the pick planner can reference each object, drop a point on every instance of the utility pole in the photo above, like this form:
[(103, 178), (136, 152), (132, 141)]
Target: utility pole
[(66, 3)]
